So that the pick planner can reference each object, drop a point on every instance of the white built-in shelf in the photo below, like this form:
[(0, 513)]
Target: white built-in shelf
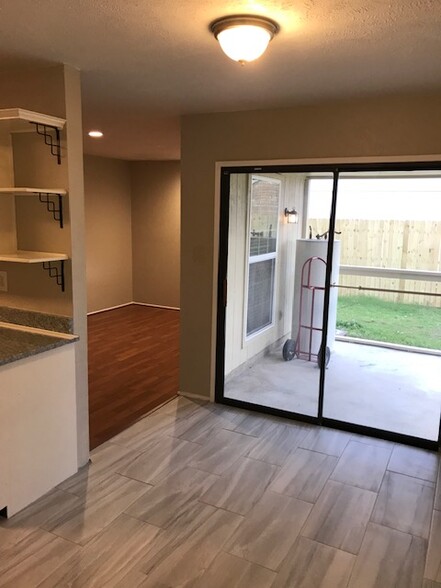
[(32, 191), (18, 119), (32, 257), (52, 197)]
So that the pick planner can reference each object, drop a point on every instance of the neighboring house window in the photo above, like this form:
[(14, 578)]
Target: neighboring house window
[(264, 206)]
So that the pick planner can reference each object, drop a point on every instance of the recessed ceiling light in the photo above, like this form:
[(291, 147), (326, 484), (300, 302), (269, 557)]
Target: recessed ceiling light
[(95, 134), (244, 38)]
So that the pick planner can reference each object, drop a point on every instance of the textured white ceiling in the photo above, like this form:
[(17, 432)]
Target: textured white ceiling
[(145, 62)]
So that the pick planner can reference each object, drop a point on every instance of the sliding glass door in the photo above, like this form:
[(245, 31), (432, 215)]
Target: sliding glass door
[(330, 297)]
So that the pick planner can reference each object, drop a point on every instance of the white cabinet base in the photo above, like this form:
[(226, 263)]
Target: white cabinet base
[(38, 438)]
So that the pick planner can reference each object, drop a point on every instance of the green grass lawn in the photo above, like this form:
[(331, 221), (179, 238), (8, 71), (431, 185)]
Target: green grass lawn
[(368, 317)]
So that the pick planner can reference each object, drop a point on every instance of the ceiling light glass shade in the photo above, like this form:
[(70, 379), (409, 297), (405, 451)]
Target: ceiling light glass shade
[(244, 43), (244, 38)]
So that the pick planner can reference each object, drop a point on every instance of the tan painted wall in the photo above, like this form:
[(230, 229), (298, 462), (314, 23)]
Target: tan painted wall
[(394, 125), (108, 232), (156, 232), (74, 136)]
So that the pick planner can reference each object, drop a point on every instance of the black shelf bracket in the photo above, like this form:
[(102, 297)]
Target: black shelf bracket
[(56, 208), (51, 138), (55, 272)]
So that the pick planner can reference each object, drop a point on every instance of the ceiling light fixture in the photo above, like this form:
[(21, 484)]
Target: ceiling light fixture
[(95, 134), (244, 38)]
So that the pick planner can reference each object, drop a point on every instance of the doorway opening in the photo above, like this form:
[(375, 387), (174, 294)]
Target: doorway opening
[(334, 318)]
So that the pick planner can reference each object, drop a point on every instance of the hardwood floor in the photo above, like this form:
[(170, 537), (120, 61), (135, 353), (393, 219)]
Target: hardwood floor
[(133, 366), (163, 504)]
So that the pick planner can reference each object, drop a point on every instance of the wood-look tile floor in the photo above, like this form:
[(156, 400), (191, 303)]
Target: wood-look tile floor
[(205, 496), (133, 366)]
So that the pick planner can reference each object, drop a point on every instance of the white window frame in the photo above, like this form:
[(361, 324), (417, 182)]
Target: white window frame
[(257, 258)]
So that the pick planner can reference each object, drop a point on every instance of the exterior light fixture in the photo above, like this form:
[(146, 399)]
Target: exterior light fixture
[(292, 216), (244, 38), (95, 134)]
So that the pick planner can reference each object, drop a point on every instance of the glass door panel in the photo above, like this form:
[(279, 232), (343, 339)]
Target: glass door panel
[(385, 308), (275, 295)]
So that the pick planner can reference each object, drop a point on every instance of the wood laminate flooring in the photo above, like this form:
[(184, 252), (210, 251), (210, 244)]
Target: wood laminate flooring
[(203, 496), (133, 366)]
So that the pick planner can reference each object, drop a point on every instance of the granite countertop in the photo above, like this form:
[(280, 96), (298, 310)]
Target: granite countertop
[(18, 343), (38, 320)]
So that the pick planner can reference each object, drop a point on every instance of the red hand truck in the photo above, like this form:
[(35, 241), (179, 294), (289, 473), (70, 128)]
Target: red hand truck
[(293, 347)]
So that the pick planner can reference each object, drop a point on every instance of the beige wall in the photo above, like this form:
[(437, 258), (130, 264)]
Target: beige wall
[(108, 232), (156, 232), (74, 136), (133, 232), (394, 125)]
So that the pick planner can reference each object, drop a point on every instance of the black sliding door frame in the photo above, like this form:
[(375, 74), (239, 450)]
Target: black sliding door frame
[(334, 170)]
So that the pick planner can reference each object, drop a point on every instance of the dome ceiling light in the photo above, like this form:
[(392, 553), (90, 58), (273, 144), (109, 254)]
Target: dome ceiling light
[(244, 38)]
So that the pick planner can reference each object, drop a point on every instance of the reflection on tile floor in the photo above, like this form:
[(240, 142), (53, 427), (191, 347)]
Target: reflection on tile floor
[(208, 496), (382, 388)]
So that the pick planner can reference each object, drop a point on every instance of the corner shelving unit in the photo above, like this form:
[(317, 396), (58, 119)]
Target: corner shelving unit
[(45, 196), (18, 120), (47, 259), (32, 257), (19, 117)]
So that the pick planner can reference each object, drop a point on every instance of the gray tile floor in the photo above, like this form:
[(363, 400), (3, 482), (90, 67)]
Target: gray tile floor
[(207, 496)]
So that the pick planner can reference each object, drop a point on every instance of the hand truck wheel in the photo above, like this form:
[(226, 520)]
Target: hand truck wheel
[(327, 356), (289, 349)]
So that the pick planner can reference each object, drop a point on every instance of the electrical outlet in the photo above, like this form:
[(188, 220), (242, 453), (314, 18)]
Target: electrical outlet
[(3, 281)]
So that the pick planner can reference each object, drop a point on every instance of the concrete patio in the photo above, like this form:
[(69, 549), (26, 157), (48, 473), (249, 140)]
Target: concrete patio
[(387, 389)]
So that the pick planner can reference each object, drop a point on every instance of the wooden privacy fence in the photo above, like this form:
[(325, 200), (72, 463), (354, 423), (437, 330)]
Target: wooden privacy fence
[(390, 244)]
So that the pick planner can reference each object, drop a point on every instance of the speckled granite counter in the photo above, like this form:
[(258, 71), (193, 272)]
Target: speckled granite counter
[(17, 344), (38, 320)]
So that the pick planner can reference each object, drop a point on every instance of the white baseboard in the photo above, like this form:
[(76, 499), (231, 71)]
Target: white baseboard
[(130, 304), (194, 396), (110, 308), (157, 306)]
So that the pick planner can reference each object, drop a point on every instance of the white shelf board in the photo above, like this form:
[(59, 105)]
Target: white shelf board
[(18, 119), (32, 191), (32, 257)]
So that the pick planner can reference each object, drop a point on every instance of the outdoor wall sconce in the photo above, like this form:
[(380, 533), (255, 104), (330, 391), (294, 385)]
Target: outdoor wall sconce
[(244, 38), (292, 216)]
